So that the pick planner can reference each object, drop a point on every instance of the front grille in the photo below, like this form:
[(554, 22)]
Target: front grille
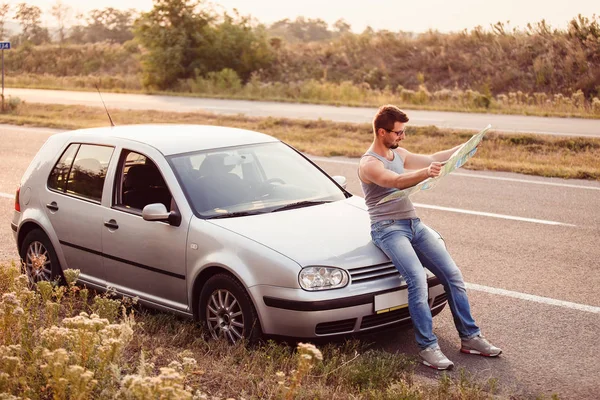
[(439, 300), (389, 317), (328, 328), (373, 272)]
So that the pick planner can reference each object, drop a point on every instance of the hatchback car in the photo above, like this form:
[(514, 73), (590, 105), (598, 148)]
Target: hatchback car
[(228, 226)]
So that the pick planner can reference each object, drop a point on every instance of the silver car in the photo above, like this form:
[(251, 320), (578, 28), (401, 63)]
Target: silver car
[(229, 226)]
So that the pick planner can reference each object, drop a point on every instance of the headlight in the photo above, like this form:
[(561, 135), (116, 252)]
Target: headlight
[(322, 278)]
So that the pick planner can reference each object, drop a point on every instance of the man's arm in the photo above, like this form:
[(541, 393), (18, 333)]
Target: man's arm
[(417, 161), (371, 170)]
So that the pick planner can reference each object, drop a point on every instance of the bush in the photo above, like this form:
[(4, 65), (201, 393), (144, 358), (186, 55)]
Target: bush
[(11, 104), (596, 105)]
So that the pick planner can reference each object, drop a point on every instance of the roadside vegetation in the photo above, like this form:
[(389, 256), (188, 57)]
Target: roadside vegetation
[(68, 342), (190, 47), (532, 154)]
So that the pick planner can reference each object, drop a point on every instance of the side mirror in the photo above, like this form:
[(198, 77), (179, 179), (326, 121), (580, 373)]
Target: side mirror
[(341, 180), (158, 212)]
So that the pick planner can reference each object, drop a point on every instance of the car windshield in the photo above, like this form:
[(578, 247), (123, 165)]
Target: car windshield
[(251, 179)]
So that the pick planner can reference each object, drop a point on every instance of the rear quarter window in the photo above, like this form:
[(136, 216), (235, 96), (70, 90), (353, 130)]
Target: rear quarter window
[(81, 171), (59, 175)]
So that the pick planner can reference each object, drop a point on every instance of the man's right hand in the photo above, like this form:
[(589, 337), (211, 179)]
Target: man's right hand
[(434, 169)]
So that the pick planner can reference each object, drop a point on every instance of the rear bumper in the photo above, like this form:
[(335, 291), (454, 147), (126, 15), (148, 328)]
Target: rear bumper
[(352, 314), (14, 229)]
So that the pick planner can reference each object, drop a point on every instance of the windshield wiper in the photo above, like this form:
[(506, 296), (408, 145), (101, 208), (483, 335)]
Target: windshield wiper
[(236, 214), (300, 204)]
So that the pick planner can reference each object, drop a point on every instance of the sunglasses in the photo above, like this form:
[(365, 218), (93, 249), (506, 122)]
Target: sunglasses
[(396, 132)]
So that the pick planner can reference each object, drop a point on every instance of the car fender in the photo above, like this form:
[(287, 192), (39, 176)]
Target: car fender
[(35, 216)]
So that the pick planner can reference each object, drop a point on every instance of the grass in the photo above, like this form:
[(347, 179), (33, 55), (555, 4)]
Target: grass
[(66, 342), (345, 93), (542, 155)]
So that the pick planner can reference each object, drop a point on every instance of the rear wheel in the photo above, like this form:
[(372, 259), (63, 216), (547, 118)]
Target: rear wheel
[(40, 262), (227, 311)]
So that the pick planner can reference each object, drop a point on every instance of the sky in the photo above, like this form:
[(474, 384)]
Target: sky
[(393, 15)]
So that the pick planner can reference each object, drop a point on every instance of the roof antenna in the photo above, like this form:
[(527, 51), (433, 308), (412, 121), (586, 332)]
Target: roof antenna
[(107, 113)]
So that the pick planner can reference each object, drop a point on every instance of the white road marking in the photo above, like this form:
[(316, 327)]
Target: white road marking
[(498, 178), (534, 298), (486, 214), (7, 196)]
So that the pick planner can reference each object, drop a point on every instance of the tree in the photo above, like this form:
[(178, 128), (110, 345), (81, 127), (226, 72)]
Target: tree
[(173, 34), (341, 26), (4, 10), (301, 30), (108, 24), (29, 17), (61, 13), (111, 24), (235, 44)]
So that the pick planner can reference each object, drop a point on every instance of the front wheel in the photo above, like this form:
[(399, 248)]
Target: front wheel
[(227, 311), (39, 258)]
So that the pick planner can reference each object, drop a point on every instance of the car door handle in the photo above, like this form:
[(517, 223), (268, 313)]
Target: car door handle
[(112, 224), (52, 206)]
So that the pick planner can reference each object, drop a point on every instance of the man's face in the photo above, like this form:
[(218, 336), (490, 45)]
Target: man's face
[(392, 138)]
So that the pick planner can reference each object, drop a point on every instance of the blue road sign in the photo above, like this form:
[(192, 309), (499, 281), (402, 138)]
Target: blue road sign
[(4, 45)]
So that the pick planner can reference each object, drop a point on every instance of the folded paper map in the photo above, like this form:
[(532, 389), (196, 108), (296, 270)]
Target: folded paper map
[(456, 160)]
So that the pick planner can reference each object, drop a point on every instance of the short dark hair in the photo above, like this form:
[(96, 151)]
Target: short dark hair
[(387, 116)]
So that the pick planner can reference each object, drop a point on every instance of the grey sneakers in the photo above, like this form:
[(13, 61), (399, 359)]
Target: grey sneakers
[(479, 345), (434, 358)]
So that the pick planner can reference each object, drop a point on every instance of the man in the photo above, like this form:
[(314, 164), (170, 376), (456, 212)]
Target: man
[(397, 231)]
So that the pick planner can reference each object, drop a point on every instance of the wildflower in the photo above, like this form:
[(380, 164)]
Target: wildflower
[(71, 276), (10, 298), (280, 377), (189, 364), (310, 348), (22, 281), (176, 365)]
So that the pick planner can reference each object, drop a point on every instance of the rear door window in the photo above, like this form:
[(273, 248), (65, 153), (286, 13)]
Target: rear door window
[(82, 175)]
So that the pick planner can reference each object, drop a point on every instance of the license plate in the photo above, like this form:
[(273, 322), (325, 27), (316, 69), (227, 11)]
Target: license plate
[(391, 301)]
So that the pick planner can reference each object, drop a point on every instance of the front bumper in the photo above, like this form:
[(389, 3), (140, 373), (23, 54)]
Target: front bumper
[(282, 314)]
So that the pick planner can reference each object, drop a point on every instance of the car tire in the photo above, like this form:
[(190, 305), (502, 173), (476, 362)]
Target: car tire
[(226, 310), (37, 244)]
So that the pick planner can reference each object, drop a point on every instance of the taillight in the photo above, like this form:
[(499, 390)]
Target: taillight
[(17, 204)]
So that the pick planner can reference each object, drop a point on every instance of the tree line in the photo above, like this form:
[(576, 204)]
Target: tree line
[(179, 40)]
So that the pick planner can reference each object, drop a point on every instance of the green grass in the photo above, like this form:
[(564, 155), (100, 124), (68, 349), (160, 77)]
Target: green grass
[(542, 155)]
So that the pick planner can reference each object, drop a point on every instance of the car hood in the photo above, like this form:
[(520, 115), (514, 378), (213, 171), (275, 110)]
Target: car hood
[(330, 234)]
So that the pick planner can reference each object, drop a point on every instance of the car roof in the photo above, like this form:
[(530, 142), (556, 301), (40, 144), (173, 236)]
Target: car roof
[(172, 139)]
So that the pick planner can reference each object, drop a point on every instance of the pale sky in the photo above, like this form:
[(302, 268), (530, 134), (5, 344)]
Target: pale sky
[(393, 15)]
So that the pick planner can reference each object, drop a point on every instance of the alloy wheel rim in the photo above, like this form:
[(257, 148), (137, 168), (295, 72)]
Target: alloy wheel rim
[(224, 316), (37, 263)]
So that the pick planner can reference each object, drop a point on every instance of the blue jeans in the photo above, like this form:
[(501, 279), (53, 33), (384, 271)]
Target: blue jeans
[(411, 246)]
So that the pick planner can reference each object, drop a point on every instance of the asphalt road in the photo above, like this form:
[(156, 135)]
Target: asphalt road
[(527, 246), (504, 123)]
